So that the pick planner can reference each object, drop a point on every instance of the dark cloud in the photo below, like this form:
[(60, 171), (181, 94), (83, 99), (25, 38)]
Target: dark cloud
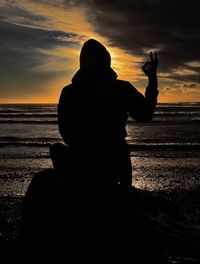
[(11, 11), (25, 48), (187, 78), (137, 26), (192, 86), (20, 49), (172, 27)]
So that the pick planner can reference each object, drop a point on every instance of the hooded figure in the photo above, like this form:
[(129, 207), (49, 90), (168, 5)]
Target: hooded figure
[(94, 55), (92, 115), (95, 63)]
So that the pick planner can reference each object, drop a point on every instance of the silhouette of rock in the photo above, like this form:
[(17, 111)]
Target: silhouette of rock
[(62, 220)]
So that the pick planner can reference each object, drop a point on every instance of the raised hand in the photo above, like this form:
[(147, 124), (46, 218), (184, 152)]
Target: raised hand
[(150, 67)]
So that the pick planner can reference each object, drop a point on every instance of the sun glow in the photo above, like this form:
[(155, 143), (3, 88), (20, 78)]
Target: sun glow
[(60, 59)]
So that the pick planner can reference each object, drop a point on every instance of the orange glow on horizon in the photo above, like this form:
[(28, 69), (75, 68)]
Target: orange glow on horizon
[(62, 61)]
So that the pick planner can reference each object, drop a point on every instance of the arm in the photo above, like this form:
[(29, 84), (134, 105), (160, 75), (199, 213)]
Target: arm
[(142, 107)]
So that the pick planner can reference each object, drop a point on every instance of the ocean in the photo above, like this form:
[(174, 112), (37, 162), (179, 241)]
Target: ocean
[(165, 153)]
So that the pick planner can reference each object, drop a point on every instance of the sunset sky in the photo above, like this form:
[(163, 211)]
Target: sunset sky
[(40, 42)]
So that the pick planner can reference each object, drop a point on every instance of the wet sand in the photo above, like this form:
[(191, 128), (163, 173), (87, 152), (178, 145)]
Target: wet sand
[(174, 175)]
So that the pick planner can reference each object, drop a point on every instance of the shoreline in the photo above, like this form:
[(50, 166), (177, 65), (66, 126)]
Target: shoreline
[(180, 185), (160, 175)]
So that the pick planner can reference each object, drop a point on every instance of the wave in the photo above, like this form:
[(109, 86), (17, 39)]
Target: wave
[(9, 115), (34, 142), (13, 138), (47, 113), (181, 105), (26, 144), (180, 113), (27, 108), (15, 116), (44, 142), (165, 146), (10, 121), (158, 119), (54, 114)]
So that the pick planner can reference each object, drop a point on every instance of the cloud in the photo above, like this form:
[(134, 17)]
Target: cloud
[(41, 39), (191, 85), (170, 27), (39, 48), (193, 64), (14, 12), (30, 57)]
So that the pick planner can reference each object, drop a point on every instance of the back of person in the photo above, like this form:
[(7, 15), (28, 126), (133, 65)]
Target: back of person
[(92, 115), (95, 118)]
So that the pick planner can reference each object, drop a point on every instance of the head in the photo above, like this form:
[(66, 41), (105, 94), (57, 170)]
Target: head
[(94, 56)]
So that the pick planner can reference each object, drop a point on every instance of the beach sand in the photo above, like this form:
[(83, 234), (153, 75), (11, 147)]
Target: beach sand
[(175, 176)]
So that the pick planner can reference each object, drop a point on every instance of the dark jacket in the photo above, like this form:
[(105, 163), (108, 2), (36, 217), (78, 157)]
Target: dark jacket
[(93, 111), (96, 111)]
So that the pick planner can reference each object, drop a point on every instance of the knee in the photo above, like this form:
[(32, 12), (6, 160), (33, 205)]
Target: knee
[(59, 154)]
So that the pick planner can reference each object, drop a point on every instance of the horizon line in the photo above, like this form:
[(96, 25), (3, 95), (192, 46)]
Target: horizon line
[(50, 103)]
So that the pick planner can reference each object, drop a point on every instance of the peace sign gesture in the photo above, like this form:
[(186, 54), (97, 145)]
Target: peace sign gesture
[(150, 67)]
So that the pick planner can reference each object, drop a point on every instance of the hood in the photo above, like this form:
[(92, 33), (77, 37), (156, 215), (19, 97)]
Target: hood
[(95, 62), (94, 55)]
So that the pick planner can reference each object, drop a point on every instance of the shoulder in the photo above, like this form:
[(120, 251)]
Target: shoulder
[(126, 86), (68, 92), (67, 89), (123, 82), (65, 95)]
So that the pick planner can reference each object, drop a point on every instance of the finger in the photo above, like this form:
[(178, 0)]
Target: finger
[(147, 63), (156, 59), (151, 57), (146, 66)]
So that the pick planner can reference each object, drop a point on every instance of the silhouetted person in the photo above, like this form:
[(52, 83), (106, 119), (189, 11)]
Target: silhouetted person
[(66, 221), (92, 115)]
